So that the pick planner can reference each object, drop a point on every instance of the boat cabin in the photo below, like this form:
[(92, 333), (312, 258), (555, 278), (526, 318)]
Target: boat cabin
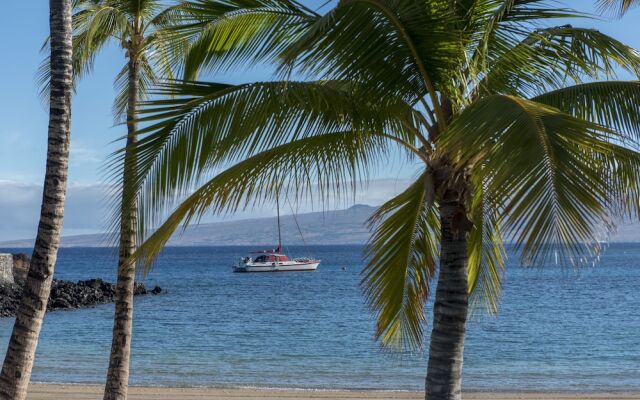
[(271, 258)]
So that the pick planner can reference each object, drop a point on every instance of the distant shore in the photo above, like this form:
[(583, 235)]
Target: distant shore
[(90, 392)]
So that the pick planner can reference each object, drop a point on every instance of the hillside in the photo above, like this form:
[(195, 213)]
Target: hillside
[(330, 227), (320, 228)]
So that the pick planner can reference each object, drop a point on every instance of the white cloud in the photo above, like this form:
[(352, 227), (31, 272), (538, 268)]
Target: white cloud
[(20, 209), (381, 190), (83, 155)]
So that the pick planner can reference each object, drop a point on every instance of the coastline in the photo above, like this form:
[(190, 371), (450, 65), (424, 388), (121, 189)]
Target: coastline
[(48, 391)]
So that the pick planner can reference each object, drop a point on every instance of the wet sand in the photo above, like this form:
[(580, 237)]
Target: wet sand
[(73, 392)]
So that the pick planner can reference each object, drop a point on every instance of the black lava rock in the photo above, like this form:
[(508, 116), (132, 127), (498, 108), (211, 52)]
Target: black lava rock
[(139, 289), (66, 295), (9, 300)]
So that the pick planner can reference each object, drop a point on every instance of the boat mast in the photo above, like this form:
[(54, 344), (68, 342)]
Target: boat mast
[(279, 232)]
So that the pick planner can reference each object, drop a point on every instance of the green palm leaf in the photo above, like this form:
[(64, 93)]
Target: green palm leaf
[(397, 47), (317, 167), (486, 254), (494, 24), (402, 254), (553, 57), (556, 177), (147, 79), (232, 33), (619, 7), (205, 126), (612, 104)]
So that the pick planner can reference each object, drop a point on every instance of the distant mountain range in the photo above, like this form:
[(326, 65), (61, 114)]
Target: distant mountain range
[(318, 228)]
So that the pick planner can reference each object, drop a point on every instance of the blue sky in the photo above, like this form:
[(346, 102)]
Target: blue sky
[(23, 27)]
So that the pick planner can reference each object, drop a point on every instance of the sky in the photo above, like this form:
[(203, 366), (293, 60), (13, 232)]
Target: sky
[(23, 127)]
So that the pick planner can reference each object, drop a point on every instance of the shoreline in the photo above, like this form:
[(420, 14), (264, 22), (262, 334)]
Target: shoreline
[(60, 391), (266, 388)]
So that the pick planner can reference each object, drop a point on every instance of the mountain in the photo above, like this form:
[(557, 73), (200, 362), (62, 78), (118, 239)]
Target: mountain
[(320, 228)]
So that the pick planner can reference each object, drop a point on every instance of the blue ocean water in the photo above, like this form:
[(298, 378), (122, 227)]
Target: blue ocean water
[(556, 330)]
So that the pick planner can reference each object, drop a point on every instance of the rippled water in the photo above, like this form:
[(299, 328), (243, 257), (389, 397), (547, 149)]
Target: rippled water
[(556, 330)]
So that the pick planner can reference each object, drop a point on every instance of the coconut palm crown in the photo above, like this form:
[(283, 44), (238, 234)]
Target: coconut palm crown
[(137, 28), (515, 125)]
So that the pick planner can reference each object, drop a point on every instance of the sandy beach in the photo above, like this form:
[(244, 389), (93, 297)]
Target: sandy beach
[(73, 392)]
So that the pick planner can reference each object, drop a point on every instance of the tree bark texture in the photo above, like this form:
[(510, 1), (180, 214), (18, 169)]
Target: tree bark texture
[(18, 362), (117, 383), (444, 371)]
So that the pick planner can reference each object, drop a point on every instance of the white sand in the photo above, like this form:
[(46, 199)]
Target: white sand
[(73, 392)]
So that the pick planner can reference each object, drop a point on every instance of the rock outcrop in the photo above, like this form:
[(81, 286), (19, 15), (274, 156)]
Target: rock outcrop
[(67, 295), (64, 294), (20, 267)]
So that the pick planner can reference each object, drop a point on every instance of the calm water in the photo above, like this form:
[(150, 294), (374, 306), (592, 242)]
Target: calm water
[(556, 330)]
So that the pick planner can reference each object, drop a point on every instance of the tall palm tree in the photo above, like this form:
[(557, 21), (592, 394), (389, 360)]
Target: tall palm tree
[(518, 129), (136, 26), (18, 362)]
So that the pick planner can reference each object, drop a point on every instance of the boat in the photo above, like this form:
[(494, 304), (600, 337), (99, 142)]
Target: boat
[(275, 260)]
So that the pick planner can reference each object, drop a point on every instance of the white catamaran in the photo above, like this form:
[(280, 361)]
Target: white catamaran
[(274, 260)]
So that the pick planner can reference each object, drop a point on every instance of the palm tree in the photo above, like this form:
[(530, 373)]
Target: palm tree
[(18, 362), (518, 129), (136, 26)]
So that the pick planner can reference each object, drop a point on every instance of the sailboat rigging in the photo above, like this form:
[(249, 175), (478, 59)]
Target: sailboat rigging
[(279, 229), (275, 260)]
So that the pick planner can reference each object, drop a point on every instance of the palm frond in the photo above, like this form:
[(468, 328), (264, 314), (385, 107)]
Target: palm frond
[(396, 47), (556, 177), (618, 7), (148, 78), (146, 9), (311, 168), (551, 58), (166, 51), (206, 125), (231, 33), (614, 104), (402, 254), (492, 22), (94, 25), (486, 253)]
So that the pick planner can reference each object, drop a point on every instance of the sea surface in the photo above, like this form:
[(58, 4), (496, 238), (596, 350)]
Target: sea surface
[(556, 329)]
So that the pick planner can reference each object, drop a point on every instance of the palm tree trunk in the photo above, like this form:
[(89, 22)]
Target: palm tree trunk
[(118, 373), (450, 309), (18, 362)]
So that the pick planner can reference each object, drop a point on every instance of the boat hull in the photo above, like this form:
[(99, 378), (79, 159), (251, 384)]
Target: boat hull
[(278, 267)]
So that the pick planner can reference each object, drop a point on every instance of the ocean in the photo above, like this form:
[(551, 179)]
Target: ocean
[(556, 329)]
